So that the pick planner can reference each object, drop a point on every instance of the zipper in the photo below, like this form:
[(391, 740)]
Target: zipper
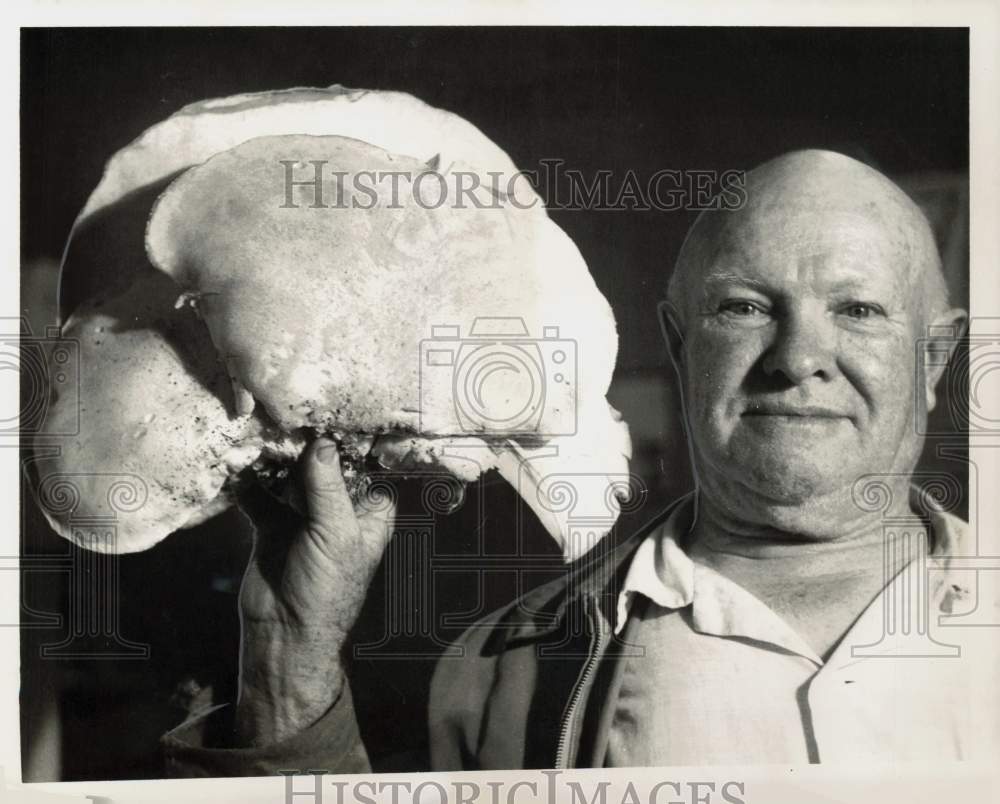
[(566, 731)]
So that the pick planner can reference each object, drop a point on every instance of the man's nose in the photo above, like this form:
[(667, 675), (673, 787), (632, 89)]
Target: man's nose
[(804, 347)]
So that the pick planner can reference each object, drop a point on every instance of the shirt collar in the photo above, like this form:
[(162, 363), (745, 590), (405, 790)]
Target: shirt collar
[(660, 569), (662, 572)]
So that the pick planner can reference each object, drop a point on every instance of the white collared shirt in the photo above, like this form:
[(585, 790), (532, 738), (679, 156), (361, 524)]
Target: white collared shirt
[(723, 679)]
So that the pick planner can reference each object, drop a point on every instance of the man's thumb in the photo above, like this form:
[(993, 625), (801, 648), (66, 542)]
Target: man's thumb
[(327, 501)]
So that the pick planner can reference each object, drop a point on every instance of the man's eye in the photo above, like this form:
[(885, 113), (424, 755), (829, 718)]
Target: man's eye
[(862, 310), (741, 308)]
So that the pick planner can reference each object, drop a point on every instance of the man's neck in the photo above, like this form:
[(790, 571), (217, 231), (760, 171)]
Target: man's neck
[(720, 537), (818, 584), (830, 532)]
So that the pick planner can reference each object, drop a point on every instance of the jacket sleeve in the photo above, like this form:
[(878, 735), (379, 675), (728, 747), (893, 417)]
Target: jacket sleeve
[(201, 746)]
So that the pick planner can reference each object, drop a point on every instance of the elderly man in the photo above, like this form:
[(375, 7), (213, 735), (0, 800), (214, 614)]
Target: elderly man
[(725, 631)]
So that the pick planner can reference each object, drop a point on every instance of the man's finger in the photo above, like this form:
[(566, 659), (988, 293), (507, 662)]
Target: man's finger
[(328, 504)]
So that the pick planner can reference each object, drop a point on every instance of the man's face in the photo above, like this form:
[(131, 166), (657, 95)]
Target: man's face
[(799, 353)]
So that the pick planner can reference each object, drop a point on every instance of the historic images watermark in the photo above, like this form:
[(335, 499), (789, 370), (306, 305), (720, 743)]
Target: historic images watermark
[(531, 787), (465, 367), (558, 187)]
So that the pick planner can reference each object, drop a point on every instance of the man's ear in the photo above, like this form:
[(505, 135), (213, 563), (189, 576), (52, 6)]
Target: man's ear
[(673, 334), (943, 335)]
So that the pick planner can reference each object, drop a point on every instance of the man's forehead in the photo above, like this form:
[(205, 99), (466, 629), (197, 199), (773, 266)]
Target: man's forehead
[(785, 243)]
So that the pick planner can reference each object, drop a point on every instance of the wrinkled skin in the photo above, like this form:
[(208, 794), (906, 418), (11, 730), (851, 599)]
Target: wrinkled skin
[(794, 324)]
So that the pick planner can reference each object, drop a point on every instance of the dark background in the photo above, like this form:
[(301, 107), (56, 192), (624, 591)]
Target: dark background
[(616, 99)]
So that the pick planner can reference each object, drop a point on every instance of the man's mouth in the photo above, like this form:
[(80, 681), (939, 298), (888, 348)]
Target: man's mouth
[(785, 410)]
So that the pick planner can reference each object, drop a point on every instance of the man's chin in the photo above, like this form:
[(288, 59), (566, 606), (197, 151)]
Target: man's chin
[(793, 501), (788, 480), (789, 492)]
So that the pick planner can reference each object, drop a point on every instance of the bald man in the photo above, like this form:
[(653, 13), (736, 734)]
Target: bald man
[(746, 623)]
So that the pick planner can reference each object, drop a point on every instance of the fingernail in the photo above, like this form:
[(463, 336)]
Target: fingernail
[(328, 454)]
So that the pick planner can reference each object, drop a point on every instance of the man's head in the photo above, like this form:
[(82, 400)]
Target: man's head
[(794, 325)]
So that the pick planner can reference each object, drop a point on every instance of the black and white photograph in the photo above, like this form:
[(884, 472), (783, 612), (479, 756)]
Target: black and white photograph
[(423, 399)]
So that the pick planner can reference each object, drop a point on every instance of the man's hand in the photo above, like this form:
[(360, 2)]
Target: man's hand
[(301, 594)]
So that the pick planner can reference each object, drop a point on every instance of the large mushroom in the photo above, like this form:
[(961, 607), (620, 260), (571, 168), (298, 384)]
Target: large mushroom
[(417, 331)]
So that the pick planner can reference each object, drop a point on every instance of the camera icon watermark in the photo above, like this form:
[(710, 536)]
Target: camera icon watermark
[(973, 379), (49, 368), (499, 380)]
